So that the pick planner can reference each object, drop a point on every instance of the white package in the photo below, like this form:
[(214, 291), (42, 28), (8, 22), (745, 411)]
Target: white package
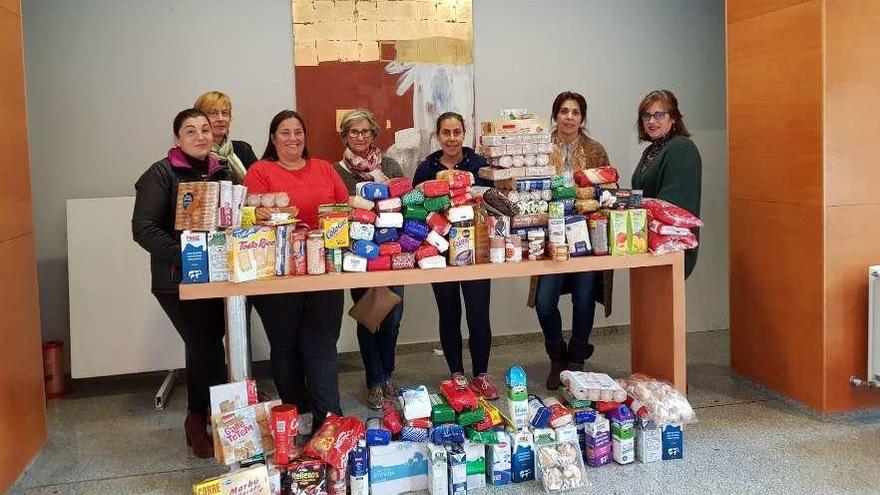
[(389, 219), (415, 402), (531, 160), (530, 149), (513, 149), (438, 241), (353, 263), (505, 161), (519, 161), (542, 138), (389, 204), (545, 148), (585, 385), (438, 469), (432, 262), (361, 231), (529, 138), (542, 160), (494, 151), (460, 213)]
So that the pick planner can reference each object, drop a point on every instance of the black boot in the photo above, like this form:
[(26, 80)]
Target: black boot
[(579, 350), (558, 359)]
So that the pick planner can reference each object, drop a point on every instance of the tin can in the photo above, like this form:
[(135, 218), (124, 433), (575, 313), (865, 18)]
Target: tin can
[(462, 244), (513, 249), (285, 427), (315, 258), (334, 260), (497, 250)]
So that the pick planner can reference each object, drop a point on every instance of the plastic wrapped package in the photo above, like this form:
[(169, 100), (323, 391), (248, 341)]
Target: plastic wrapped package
[(389, 204), (432, 262), (367, 249), (373, 191), (664, 404), (336, 437), (438, 241), (437, 203), (671, 214), (415, 212), (399, 186), (389, 219), (385, 235), (361, 231), (379, 264), (459, 397), (663, 244), (414, 197), (434, 188), (592, 386), (403, 261), (426, 251), (389, 248), (353, 263), (561, 467), (363, 216), (416, 402), (361, 203), (408, 244), (593, 176), (659, 227), (416, 229)]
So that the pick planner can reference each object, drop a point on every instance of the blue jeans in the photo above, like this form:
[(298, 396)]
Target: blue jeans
[(377, 349), (583, 290)]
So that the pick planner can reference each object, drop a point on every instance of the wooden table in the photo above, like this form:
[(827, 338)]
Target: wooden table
[(657, 302)]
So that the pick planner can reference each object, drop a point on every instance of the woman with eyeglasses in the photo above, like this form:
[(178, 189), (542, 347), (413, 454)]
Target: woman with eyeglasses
[(302, 328), (670, 168), (453, 155), (362, 160), (237, 154), (573, 150)]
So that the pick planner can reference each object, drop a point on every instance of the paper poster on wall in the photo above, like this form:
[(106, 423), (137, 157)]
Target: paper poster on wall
[(407, 61)]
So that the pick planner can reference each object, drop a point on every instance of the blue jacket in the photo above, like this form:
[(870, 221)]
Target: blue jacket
[(471, 162)]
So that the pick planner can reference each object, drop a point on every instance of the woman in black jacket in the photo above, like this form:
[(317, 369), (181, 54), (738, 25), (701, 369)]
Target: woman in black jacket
[(200, 323), (238, 154)]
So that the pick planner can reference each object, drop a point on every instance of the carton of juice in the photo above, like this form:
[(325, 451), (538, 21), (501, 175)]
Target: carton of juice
[(618, 232), (638, 231)]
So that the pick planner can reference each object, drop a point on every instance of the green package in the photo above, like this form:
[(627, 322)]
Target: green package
[(618, 232), (414, 197), (488, 436), (466, 418), (415, 212), (441, 411), (439, 203), (564, 192), (557, 181)]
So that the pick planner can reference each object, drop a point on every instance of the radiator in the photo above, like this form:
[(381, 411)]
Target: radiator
[(874, 324)]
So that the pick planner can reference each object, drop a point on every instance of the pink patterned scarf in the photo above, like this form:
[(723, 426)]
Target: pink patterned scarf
[(367, 168)]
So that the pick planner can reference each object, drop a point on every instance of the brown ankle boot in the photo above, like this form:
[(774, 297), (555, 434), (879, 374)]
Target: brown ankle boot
[(197, 436), (557, 353)]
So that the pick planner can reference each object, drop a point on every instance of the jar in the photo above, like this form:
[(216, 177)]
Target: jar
[(315, 258)]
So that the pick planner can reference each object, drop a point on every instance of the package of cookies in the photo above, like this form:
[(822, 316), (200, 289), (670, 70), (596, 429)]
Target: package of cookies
[(251, 254), (239, 435), (252, 480), (197, 204), (561, 467)]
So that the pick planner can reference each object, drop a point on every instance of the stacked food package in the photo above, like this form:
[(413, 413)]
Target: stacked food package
[(669, 227)]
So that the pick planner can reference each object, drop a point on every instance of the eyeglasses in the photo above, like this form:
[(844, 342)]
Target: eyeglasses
[(657, 116), (354, 133), (219, 113)]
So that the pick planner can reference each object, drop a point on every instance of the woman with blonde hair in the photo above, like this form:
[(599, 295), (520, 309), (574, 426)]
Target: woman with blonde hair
[(237, 154), (361, 161)]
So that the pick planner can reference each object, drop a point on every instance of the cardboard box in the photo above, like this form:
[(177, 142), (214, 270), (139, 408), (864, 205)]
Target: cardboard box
[(248, 481), (515, 126), (522, 459), (307, 477), (618, 232), (649, 442), (567, 434), (438, 469), (498, 460), (623, 451), (673, 441), (457, 470), (194, 257), (638, 231), (251, 254), (476, 464), (398, 467), (218, 258)]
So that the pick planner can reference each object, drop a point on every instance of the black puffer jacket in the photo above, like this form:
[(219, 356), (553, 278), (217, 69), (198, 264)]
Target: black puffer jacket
[(152, 223)]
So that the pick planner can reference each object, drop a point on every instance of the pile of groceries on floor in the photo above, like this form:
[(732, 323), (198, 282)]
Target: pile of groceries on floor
[(531, 213), (448, 441)]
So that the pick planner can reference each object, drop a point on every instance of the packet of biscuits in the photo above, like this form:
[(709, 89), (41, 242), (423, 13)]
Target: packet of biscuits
[(197, 206), (251, 254)]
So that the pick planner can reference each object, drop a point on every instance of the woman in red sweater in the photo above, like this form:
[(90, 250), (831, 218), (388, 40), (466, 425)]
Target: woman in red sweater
[(302, 328)]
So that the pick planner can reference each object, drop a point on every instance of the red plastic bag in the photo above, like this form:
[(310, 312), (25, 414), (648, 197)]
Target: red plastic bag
[(671, 214), (435, 188), (459, 397), (380, 263), (659, 227), (426, 251), (336, 437), (594, 176), (399, 186), (663, 244), (389, 248), (390, 418), (363, 216)]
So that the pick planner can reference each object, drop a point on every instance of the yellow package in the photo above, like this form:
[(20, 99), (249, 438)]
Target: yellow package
[(491, 411), (252, 480), (248, 216), (335, 227), (638, 231), (251, 254)]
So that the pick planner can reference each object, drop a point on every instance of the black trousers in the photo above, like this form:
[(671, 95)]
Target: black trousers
[(302, 330), (476, 302), (201, 324)]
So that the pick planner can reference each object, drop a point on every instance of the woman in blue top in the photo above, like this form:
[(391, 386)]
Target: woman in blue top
[(454, 156)]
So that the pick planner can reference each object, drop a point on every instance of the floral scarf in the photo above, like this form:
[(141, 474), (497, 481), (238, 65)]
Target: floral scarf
[(367, 168), (225, 152)]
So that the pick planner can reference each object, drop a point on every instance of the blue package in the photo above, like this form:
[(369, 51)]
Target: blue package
[(540, 414), (374, 191), (413, 434), (381, 236), (457, 470), (415, 229), (522, 459), (584, 416), (447, 433), (359, 460), (194, 257), (377, 434), (673, 442), (568, 205), (367, 249)]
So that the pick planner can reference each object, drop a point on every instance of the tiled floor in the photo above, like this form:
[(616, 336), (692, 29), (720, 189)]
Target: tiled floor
[(107, 439)]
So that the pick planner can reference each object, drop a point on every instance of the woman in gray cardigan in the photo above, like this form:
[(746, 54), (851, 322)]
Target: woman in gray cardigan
[(363, 161)]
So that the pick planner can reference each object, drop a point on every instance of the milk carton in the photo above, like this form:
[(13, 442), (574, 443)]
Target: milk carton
[(398, 467), (673, 441), (438, 469), (498, 460), (522, 458), (218, 260), (517, 397), (649, 441), (597, 436), (567, 434), (457, 470), (622, 435), (194, 257), (476, 464)]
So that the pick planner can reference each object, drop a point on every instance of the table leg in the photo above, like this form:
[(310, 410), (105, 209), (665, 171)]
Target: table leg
[(237, 356), (657, 307)]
